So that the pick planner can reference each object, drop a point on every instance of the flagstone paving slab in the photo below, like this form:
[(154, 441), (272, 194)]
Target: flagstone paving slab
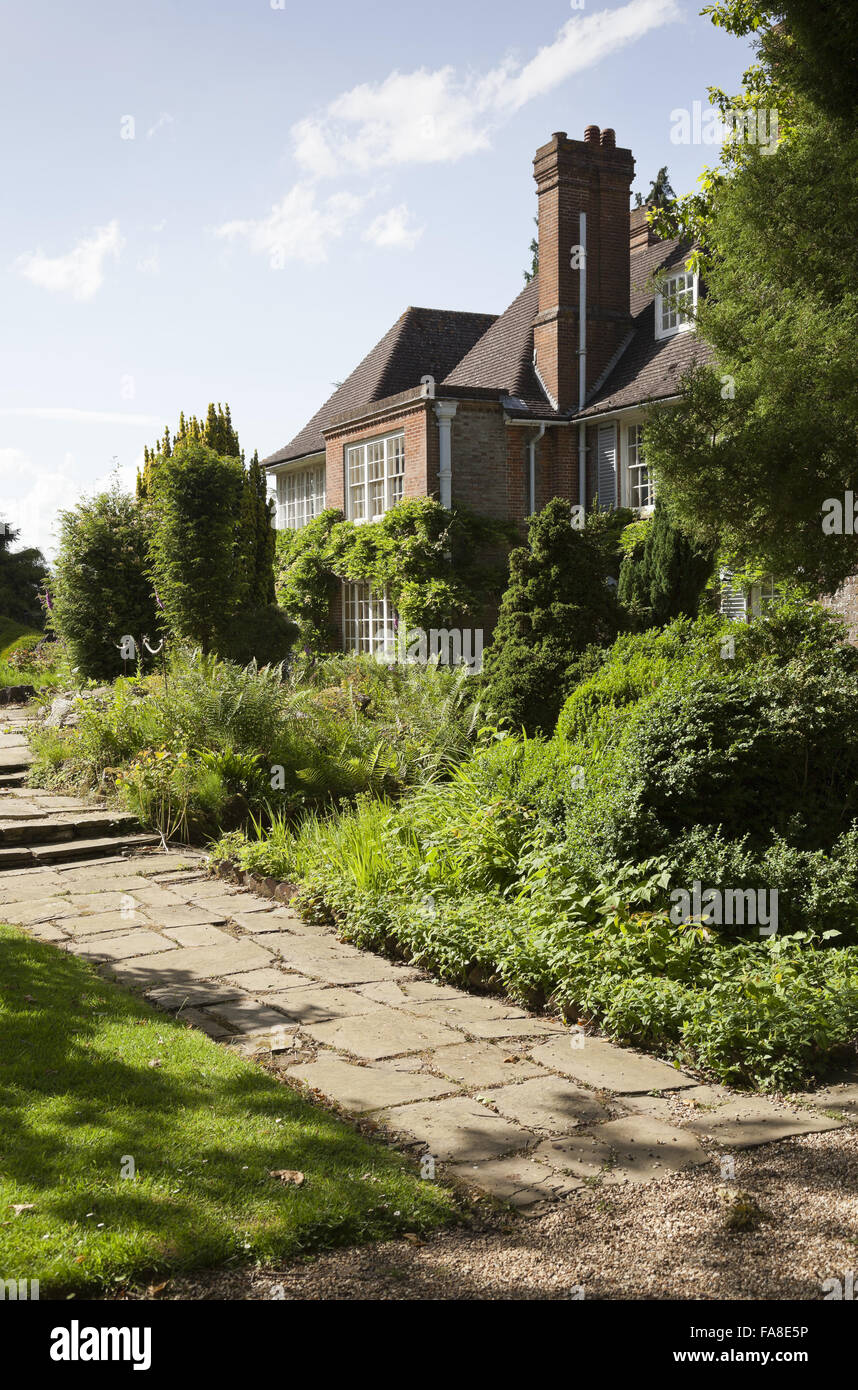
[(124, 948), (247, 1015), (482, 1064), (36, 883), (187, 964), (743, 1123), (312, 1004), (36, 910), (382, 1033), (548, 1104), (462, 1011), (269, 979), (841, 1096), (458, 1130), (603, 1065), (367, 1088), (95, 923), (198, 934), (332, 961), (185, 917), (518, 1180), (173, 997), (636, 1149)]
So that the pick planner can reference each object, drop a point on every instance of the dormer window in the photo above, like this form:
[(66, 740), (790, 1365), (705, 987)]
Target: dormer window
[(675, 302)]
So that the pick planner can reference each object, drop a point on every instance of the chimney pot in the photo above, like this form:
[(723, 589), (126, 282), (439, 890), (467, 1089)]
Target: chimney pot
[(559, 135), (609, 139), (591, 135)]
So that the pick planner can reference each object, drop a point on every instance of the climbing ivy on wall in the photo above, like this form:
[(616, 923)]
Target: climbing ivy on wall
[(439, 567)]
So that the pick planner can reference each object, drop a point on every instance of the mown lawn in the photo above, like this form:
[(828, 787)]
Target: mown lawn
[(79, 1095)]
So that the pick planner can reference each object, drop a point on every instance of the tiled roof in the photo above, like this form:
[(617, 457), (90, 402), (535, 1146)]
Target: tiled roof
[(423, 342), (483, 353), (649, 368), (502, 360)]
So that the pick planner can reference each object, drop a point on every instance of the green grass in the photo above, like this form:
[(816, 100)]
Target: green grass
[(78, 1094), (10, 631)]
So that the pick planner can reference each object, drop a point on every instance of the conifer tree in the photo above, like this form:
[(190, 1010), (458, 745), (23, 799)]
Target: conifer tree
[(664, 576), (558, 603)]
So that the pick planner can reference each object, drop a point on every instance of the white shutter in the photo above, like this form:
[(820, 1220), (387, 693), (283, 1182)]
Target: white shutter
[(607, 469), (733, 601)]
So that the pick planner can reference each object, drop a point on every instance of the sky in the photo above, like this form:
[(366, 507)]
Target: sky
[(233, 200)]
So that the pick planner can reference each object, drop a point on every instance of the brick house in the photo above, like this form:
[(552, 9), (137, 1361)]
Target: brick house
[(504, 413)]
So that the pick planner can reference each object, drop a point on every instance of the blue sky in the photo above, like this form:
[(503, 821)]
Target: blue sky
[(290, 179)]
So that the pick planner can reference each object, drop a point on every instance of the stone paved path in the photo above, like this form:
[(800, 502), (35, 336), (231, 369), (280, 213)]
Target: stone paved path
[(518, 1106)]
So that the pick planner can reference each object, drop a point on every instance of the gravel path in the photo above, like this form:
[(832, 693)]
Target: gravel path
[(664, 1240)]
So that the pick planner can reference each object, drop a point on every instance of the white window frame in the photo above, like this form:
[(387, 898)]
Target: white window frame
[(300, 495), (370, 621), (633, 461), (674, 315), (374, 476)]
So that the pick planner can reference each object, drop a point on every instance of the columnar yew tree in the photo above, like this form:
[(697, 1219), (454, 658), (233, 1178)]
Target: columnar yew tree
[(558, 602), (101, 589), (195, 499), (664, 576)]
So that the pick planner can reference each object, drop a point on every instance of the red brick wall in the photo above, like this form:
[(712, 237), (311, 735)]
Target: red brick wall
[(574, 176), (413, 421), (484, 478)]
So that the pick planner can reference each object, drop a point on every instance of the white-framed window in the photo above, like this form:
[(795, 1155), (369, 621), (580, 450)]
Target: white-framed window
[(675, 302), (375, 477), (370, 621), (640, 485), (300, 496)]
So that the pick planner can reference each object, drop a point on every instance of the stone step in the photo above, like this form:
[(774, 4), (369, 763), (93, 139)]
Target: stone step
[(13, 779), (40, 830), (20, 856)]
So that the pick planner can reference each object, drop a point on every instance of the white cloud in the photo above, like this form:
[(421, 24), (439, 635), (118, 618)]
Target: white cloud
[(426, 117), (80, 272), (150, 265), (164, 119), (71, 416), (394, 228), (35, 513), (298, 228)]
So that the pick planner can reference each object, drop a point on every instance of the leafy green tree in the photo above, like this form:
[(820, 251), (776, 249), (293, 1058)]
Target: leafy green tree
[(197, 563), (255, 539), (22, 576), (664, 575), (101, 590), (766, 434), (808, 46), (557, 604)]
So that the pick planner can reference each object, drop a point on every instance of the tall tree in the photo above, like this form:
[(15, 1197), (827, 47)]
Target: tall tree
[(101, 589), (664, 576), (22, 576), (198, 564), (661, 192), (558, 602), (766, 434)]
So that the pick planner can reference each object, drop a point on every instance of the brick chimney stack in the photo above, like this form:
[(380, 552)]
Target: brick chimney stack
[(574, 176)]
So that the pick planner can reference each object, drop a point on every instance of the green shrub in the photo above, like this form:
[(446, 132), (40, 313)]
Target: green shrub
[(664, 576), (101, 589), (557, 604)]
